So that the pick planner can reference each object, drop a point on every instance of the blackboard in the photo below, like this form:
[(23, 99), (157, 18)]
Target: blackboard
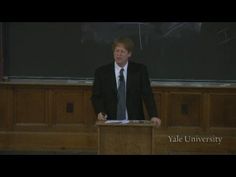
[(170, 50)]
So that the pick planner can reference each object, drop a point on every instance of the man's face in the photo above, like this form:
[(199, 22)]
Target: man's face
[(121, 55)]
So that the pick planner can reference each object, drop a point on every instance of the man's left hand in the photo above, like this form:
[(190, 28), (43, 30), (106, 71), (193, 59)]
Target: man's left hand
[(157, 121)]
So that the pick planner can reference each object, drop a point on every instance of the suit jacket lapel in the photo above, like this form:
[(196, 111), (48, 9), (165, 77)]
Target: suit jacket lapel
[(129, 77), (113, 78)]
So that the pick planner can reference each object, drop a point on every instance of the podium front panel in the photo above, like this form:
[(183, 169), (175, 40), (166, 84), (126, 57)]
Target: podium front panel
[(125, 139)]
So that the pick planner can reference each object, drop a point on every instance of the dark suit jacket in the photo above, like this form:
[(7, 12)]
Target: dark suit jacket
[(104, 91)]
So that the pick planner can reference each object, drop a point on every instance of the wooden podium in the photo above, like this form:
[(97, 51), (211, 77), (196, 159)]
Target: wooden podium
[(133, 137)]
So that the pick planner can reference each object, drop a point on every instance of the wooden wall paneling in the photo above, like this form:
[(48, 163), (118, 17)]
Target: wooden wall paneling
[(36, 117), (6, 108), (158, 99), (68, 106), (222, 110), (89, 113), (10, 117), (184, 109), (164, 110), (30, 108), (205, 121), (46, 141), (49, 107), (3, 107)]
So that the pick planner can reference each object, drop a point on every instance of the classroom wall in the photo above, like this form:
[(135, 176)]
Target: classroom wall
[(60, 117)]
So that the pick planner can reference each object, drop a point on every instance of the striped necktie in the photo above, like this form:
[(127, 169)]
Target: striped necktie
[(121, 97)]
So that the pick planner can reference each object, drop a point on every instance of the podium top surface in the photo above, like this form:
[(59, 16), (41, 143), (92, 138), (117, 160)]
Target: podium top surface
[(125, 123)]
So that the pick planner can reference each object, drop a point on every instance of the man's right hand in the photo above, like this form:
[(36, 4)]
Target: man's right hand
[(102, 116)]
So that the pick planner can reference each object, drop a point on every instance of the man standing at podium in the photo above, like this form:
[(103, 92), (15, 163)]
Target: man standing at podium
[(120, 87)]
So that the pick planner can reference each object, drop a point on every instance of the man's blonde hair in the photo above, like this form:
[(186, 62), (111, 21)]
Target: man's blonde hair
[(127, 42)]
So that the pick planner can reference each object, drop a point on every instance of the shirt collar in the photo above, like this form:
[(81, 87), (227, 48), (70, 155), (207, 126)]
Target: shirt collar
[(117, 67)]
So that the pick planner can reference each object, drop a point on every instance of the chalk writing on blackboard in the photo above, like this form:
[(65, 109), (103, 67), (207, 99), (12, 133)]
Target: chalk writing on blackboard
[(143, 31)]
